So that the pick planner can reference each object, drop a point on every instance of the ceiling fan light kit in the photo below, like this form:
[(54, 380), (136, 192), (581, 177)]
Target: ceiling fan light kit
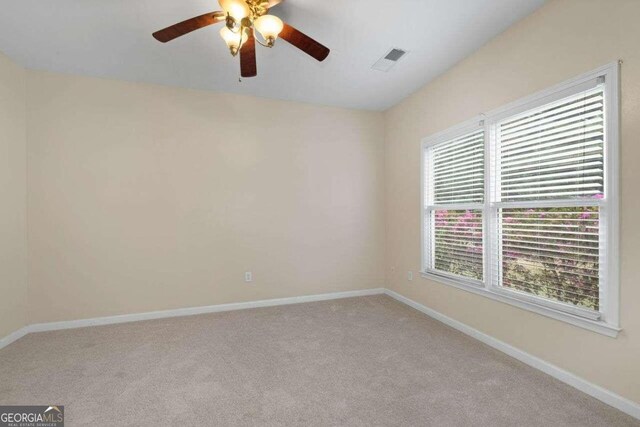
[(242, 19)]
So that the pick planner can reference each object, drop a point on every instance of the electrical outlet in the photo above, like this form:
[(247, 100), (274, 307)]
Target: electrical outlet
[(248, 276), (410, 275)]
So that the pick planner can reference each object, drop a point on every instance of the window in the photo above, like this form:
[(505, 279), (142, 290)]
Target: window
[(455, 203), (521, 205)]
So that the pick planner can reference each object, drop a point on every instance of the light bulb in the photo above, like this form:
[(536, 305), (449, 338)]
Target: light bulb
[(269, 26), (234, 40), (238, 9)]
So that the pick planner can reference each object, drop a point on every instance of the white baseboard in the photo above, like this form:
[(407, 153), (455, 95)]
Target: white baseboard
[(14, 336), (110, 320), (625, 405)]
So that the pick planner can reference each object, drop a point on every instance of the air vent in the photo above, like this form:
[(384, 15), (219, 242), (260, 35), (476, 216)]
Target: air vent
[(395, 55), (391, 58)]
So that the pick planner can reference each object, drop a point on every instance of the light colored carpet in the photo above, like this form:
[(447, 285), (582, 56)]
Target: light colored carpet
[(359, 361)]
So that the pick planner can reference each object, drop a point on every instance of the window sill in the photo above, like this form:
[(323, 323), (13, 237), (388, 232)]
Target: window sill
[(598, 326)]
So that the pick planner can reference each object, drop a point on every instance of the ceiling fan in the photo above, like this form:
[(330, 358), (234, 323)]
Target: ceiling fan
[(242, 18)]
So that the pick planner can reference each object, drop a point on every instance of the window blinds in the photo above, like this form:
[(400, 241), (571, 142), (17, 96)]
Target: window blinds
[(457, 242), (458, 170), (554, 155), (552, 253), (456, 177), (554, 152)]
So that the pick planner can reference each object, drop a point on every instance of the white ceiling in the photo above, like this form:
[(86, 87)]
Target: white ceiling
[(112, 39)]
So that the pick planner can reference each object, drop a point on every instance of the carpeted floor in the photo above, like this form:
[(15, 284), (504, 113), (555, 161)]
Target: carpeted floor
[(358, 361)]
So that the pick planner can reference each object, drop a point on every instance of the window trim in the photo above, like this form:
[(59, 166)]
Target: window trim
[(606, 323)]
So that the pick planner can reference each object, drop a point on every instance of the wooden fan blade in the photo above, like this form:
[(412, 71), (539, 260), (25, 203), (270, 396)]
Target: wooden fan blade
[(188, 26), (304, 43), (274, 3), (248, 67)]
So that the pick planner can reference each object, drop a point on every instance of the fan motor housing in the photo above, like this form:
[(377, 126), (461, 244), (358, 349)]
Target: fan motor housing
[(258, 7)]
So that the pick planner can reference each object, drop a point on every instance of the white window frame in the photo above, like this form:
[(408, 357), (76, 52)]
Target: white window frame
[(605, 322)]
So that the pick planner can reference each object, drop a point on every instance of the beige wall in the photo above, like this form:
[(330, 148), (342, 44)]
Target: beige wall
[(13, 166), (146, 197), (563, 39)]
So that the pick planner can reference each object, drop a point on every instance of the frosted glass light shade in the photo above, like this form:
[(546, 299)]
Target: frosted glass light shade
[(269, 26), (238, 9), (234, 40)]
